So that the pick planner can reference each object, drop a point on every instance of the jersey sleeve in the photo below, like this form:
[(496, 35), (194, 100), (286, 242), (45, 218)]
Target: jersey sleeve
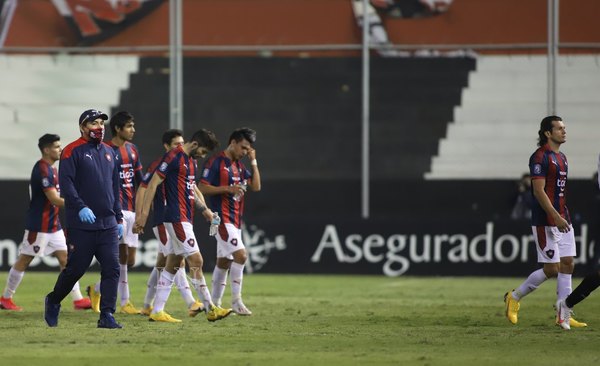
[(246, 174), (538, 166), (210, 173), (66, 178), (46, 178), (167, 164)]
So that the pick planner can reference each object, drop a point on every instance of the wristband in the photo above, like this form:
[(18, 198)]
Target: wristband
[(254, 162)]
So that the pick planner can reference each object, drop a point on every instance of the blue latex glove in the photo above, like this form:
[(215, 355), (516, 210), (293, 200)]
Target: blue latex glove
[(120, 229), (86, 215)]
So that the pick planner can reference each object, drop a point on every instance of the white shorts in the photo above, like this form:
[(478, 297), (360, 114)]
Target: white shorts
[(182, 238), (35, 243), (551, 244), (229, 240), (129, 237), (161, 234)]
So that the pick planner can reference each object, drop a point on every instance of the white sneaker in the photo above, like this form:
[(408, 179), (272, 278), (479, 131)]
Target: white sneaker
[(239, 308), (563, 314)]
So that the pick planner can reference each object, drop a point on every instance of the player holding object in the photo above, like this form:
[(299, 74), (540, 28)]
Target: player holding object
[(225, 179), (89, 181), (550, 220), (171, 139), (43, 232), (122, 128), (178, 170)]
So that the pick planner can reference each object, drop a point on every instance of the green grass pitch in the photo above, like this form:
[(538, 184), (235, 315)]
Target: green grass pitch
[(313, 320)]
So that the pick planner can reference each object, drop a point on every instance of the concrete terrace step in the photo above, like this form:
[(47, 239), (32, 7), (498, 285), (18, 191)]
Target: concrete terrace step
[(495, 129)]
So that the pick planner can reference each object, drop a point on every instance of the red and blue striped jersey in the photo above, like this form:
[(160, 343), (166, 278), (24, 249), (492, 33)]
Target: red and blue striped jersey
[(179, 173), (42, 215), (219, 171), (130, 173), (158, 204), (553, 167)]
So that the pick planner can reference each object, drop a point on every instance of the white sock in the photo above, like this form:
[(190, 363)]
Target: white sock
[(163, 290), (532, 282), (123, 285), (202, 291), (563, 286), (237, 276), (12, 282), (76, 292), (184, 287), (219, 282), (151, 288)]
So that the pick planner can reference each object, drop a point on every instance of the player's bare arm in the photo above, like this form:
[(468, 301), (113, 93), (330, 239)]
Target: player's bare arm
[(209, 190), (54, 198), (142, 215), (541, 196), (201, 204), (255, 181), (139, 199)]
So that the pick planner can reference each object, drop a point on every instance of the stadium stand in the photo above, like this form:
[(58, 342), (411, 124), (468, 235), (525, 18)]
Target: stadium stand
[(47, 94), (494, 130), (307, 111)]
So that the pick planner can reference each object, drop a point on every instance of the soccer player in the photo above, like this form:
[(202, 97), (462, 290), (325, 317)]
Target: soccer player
[(178, 170), (89, 181), (225, 179), (171, 139), (43, 232), (122, 128), (550, 220), (564, 308)]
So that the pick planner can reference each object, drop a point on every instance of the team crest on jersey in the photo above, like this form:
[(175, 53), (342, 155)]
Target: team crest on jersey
[(36, 248), (45, 183), (191, 242), (163, 166), (108, 157), (205, 173), (146, 176), (550, 253), (233, 241), (537, 169)]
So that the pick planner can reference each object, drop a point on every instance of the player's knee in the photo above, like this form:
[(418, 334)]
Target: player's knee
[(241, 258), (551, 270)]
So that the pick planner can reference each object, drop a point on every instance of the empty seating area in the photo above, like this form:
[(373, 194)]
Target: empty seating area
[(308, 111), (494, 130)]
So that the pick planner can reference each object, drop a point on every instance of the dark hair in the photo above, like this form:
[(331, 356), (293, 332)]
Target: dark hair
[(119, 120), (546, 126), (243, 133), (206, 139), (169, 135), (47, 140)]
